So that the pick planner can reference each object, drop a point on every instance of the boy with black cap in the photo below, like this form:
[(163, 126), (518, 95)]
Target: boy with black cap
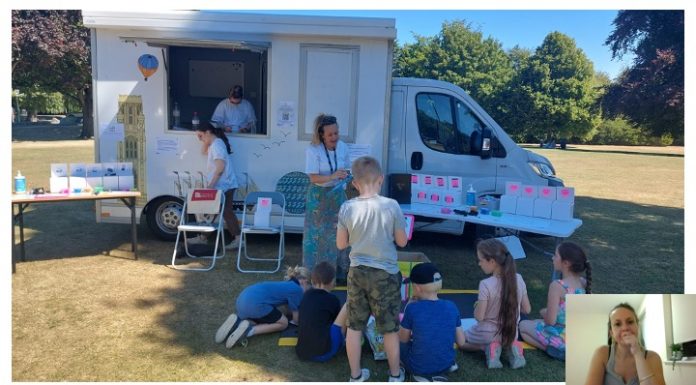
[(430, 327)]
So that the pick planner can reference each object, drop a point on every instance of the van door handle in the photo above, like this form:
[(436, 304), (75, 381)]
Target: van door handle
[(417, 160)]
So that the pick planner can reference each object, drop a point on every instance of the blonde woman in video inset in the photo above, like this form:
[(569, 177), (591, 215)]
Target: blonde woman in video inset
[(624, 361)]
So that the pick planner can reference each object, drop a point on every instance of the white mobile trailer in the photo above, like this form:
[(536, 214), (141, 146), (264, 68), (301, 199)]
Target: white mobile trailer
[(291, 68)]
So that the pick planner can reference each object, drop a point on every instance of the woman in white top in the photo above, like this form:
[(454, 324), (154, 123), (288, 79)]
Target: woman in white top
[(220, 173), (327, 163)]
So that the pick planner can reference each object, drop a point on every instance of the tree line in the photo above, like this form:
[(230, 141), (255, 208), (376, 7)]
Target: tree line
[(550, 92), (553, 92)]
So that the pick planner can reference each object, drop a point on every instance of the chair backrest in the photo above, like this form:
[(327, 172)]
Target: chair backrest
[(294, 186), (204, 201), (276, 197)]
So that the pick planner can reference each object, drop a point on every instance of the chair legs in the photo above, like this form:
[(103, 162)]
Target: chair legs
[(279, 258), (219, 245)]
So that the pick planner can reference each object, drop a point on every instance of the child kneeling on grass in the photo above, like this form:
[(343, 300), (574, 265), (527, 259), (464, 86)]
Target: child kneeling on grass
[(430, 328), (322, 322), (502, 297), (257, 304)]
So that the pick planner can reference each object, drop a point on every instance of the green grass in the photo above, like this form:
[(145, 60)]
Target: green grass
[(78, 315)]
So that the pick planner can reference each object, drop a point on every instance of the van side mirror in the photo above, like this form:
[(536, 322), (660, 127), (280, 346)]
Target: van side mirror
[(486, 143)]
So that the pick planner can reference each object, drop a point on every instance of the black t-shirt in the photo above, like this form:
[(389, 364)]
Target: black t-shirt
[(318, 311)]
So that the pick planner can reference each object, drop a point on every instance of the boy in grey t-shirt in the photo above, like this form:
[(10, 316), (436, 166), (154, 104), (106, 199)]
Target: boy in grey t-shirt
[(370, 224)]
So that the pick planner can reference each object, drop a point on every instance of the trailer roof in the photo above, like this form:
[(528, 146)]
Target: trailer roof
[(248, 23)]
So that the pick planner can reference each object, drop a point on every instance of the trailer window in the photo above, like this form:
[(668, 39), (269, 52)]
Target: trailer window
[(200, 78), (446, 124)]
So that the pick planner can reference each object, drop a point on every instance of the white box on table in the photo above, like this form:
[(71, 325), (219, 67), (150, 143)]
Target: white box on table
[(94, 175), (428, 182), (435, 197), (454, 183), (542, 208), (508, 204), (124, 171), (451, 198), (419, 195), (562, 210), (416, 181), (78, 177), (530, 191), (525, 206), (58, 184), (565, 194), (513, 188), (109, 177), (546, 192), (440, 182)]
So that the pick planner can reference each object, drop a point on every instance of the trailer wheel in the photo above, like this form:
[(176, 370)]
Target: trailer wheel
[(163, 216)]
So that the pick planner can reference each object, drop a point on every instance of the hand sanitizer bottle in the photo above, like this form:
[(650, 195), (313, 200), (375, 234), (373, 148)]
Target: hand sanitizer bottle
[(471, 196), (20, 183), (195, 121)]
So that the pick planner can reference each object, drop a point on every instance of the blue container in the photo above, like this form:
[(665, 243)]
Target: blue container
[(471, 196), (20, 183)]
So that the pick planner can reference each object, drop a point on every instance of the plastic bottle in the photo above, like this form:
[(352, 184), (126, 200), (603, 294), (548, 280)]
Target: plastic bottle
[(20, 183), (471, 196), (195, 121), (176, 114)]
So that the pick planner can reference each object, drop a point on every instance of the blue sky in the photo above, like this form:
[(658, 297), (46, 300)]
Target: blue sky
[(526, 28)]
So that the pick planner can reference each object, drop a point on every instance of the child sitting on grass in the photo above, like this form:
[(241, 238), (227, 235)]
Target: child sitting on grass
[(257, 304), (430, 328), (501, 298), (548, 333), (322, 320)]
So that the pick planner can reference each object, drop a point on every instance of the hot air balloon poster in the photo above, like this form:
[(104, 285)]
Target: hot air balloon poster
[(147, 64)]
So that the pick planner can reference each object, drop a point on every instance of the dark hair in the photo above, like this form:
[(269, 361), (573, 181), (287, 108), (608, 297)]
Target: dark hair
[(237, 92), (509, 305), (323, 273), (621, 305), (217, 131), (319, 122), (573, 253)]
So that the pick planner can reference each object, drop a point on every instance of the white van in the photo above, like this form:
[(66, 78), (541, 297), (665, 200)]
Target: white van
[(291, 69)]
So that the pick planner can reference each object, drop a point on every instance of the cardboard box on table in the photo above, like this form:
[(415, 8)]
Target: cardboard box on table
[(78, 177), (542, 208), (440, 182), (513, 188), (451, 198), (548, 193), (406, 261), (59, 177), (525, 206)]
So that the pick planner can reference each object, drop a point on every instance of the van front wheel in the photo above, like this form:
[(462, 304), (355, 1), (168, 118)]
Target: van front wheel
[(163, 216)]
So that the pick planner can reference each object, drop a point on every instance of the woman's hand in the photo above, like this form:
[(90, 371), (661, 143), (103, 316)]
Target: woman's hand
[(339, 174), (629, 339)]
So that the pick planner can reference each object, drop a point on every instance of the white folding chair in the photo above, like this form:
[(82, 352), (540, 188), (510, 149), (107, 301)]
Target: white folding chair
[(259, 222), (206, 205)]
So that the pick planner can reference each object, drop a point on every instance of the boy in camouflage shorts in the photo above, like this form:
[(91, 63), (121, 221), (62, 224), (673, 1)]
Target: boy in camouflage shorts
[(370, 224)]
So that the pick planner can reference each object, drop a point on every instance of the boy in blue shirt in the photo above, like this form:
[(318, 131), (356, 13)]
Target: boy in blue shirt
[(430, 327)]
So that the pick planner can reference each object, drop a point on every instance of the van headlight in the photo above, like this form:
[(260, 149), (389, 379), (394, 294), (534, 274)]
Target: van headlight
[(544, 170)]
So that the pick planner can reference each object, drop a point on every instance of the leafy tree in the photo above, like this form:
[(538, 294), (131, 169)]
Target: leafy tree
[(459, 55), (51, 51), (651, 92), (556, 85)]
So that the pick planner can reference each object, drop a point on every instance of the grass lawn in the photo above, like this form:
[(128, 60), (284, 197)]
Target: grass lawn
[(79, 315)]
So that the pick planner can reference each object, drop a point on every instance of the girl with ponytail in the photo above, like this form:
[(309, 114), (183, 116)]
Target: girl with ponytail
[(220, 173), (548, 333), (501, 298)]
